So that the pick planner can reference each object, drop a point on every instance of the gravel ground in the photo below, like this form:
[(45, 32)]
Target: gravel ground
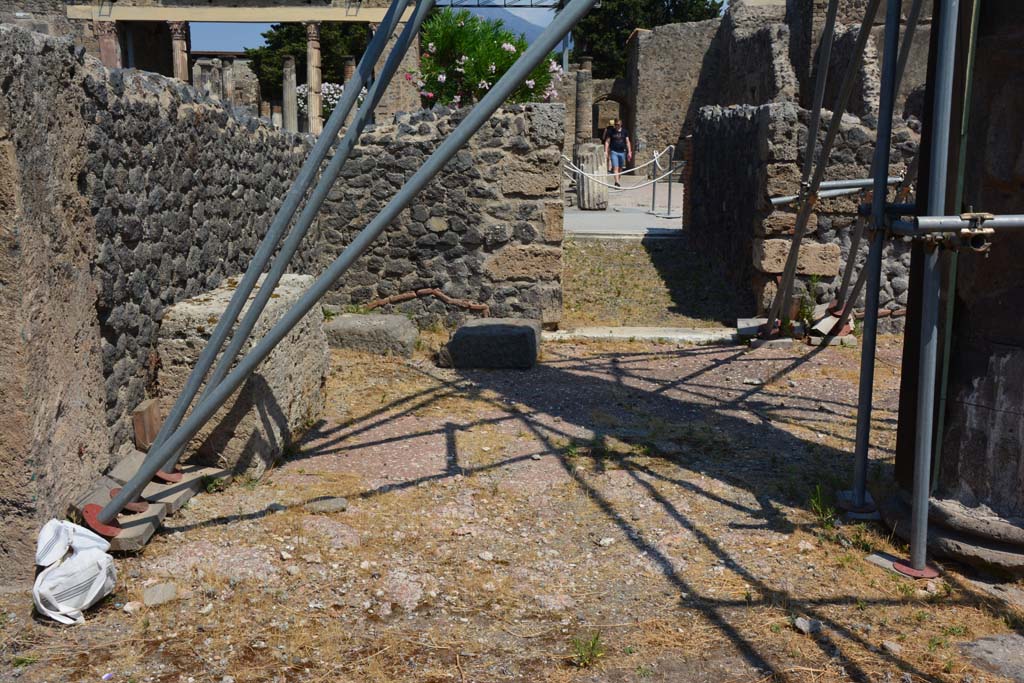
[(627, 512)]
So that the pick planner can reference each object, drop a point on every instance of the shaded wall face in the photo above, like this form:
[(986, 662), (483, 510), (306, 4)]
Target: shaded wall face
[(983, 444), (745, 155)]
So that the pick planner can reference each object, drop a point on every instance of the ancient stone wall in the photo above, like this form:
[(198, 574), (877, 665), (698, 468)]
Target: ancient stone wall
[(123, 192), (665, 68), (487, 229), (744, 156)]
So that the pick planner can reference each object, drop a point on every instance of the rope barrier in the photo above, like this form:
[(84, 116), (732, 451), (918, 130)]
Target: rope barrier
[(579, 171), (635, 168)]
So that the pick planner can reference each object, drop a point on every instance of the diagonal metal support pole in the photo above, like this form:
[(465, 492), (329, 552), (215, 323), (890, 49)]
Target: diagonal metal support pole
[(315, 201), (828, 33), (811, 194), (284, 215), (901, 64), (477, 116)]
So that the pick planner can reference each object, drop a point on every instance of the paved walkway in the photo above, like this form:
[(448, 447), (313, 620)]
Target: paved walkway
[(628, 215)]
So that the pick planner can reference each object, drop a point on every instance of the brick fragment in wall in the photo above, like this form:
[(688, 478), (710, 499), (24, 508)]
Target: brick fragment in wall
[(530, 262), (782, 222), (814, 259)]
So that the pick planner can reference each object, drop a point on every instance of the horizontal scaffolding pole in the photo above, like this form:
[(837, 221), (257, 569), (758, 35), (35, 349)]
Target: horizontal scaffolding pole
[(932, 224), (834, 191)]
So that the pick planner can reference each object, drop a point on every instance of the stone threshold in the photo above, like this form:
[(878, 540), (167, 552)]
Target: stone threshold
[(677, 335)]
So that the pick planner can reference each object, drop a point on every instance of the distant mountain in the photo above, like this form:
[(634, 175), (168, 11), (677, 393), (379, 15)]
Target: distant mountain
[(514, 23)]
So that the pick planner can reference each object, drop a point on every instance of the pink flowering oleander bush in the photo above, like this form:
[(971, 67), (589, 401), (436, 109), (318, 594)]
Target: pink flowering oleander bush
[(463, 56)]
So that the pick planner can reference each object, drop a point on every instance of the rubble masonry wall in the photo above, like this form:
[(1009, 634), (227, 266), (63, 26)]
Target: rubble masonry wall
[(744, 156)]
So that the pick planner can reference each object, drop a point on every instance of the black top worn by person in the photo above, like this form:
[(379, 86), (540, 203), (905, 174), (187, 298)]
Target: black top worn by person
[(618, 139)]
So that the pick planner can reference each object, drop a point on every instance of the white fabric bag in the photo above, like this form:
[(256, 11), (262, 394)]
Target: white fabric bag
[(71, 582), (57, 536)]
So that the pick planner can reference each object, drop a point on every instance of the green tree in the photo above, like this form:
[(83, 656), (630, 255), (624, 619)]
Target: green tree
[(463, 56), (337, 40), (603, 32)]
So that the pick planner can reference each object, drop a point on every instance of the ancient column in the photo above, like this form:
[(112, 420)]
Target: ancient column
[(215, 83), (584, 102), (264, 109), (110, 46), (179, 49), (316, 122), (290, 106), (228, 81), (275, 116), (591, 195), (348, 67)]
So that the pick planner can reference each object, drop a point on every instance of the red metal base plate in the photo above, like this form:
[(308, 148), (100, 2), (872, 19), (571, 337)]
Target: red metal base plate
[(137, 506), (929, 572), (169, 477), (90, 514)]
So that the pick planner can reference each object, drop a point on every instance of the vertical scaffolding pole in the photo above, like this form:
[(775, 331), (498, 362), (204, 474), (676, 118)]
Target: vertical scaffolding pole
[(886, 107), (942, 105)]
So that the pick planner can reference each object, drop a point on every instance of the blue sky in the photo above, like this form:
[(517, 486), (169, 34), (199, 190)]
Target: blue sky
[(234, 37)]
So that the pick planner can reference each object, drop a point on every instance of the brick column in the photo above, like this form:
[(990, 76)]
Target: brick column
[(348, 68), (316, 121), (110, 46), (179, 48)]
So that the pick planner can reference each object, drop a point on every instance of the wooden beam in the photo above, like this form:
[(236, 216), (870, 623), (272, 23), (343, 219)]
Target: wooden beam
[(260, 15)]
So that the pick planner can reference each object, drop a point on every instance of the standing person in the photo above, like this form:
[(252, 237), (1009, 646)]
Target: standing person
[(605, 132), (618, 150)]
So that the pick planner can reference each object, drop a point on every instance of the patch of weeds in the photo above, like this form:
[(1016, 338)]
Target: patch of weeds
[(947, 666), (644, 671), (214, 484), (955, 630), (586, 651), (329, 314), (18, 661), (358, 309), (823, 511), (775, 628), (935, 642), (904, 588), (921, 616)]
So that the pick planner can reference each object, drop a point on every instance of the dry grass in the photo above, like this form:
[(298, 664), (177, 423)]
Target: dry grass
[(657, 283)]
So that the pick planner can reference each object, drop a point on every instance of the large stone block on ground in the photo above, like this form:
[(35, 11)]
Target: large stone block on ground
[(276, 404), (494, 343), (814, 259), (384, 334)]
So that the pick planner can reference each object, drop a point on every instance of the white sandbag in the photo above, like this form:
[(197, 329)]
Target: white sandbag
[(57, 537), (64, 589)]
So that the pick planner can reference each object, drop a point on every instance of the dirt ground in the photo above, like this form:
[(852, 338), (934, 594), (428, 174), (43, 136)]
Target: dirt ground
[(629, 512)]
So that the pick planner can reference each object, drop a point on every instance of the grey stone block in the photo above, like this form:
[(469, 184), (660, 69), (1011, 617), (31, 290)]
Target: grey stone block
[(276, 404), (382, 334), (1002, 654), (494, 343)]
